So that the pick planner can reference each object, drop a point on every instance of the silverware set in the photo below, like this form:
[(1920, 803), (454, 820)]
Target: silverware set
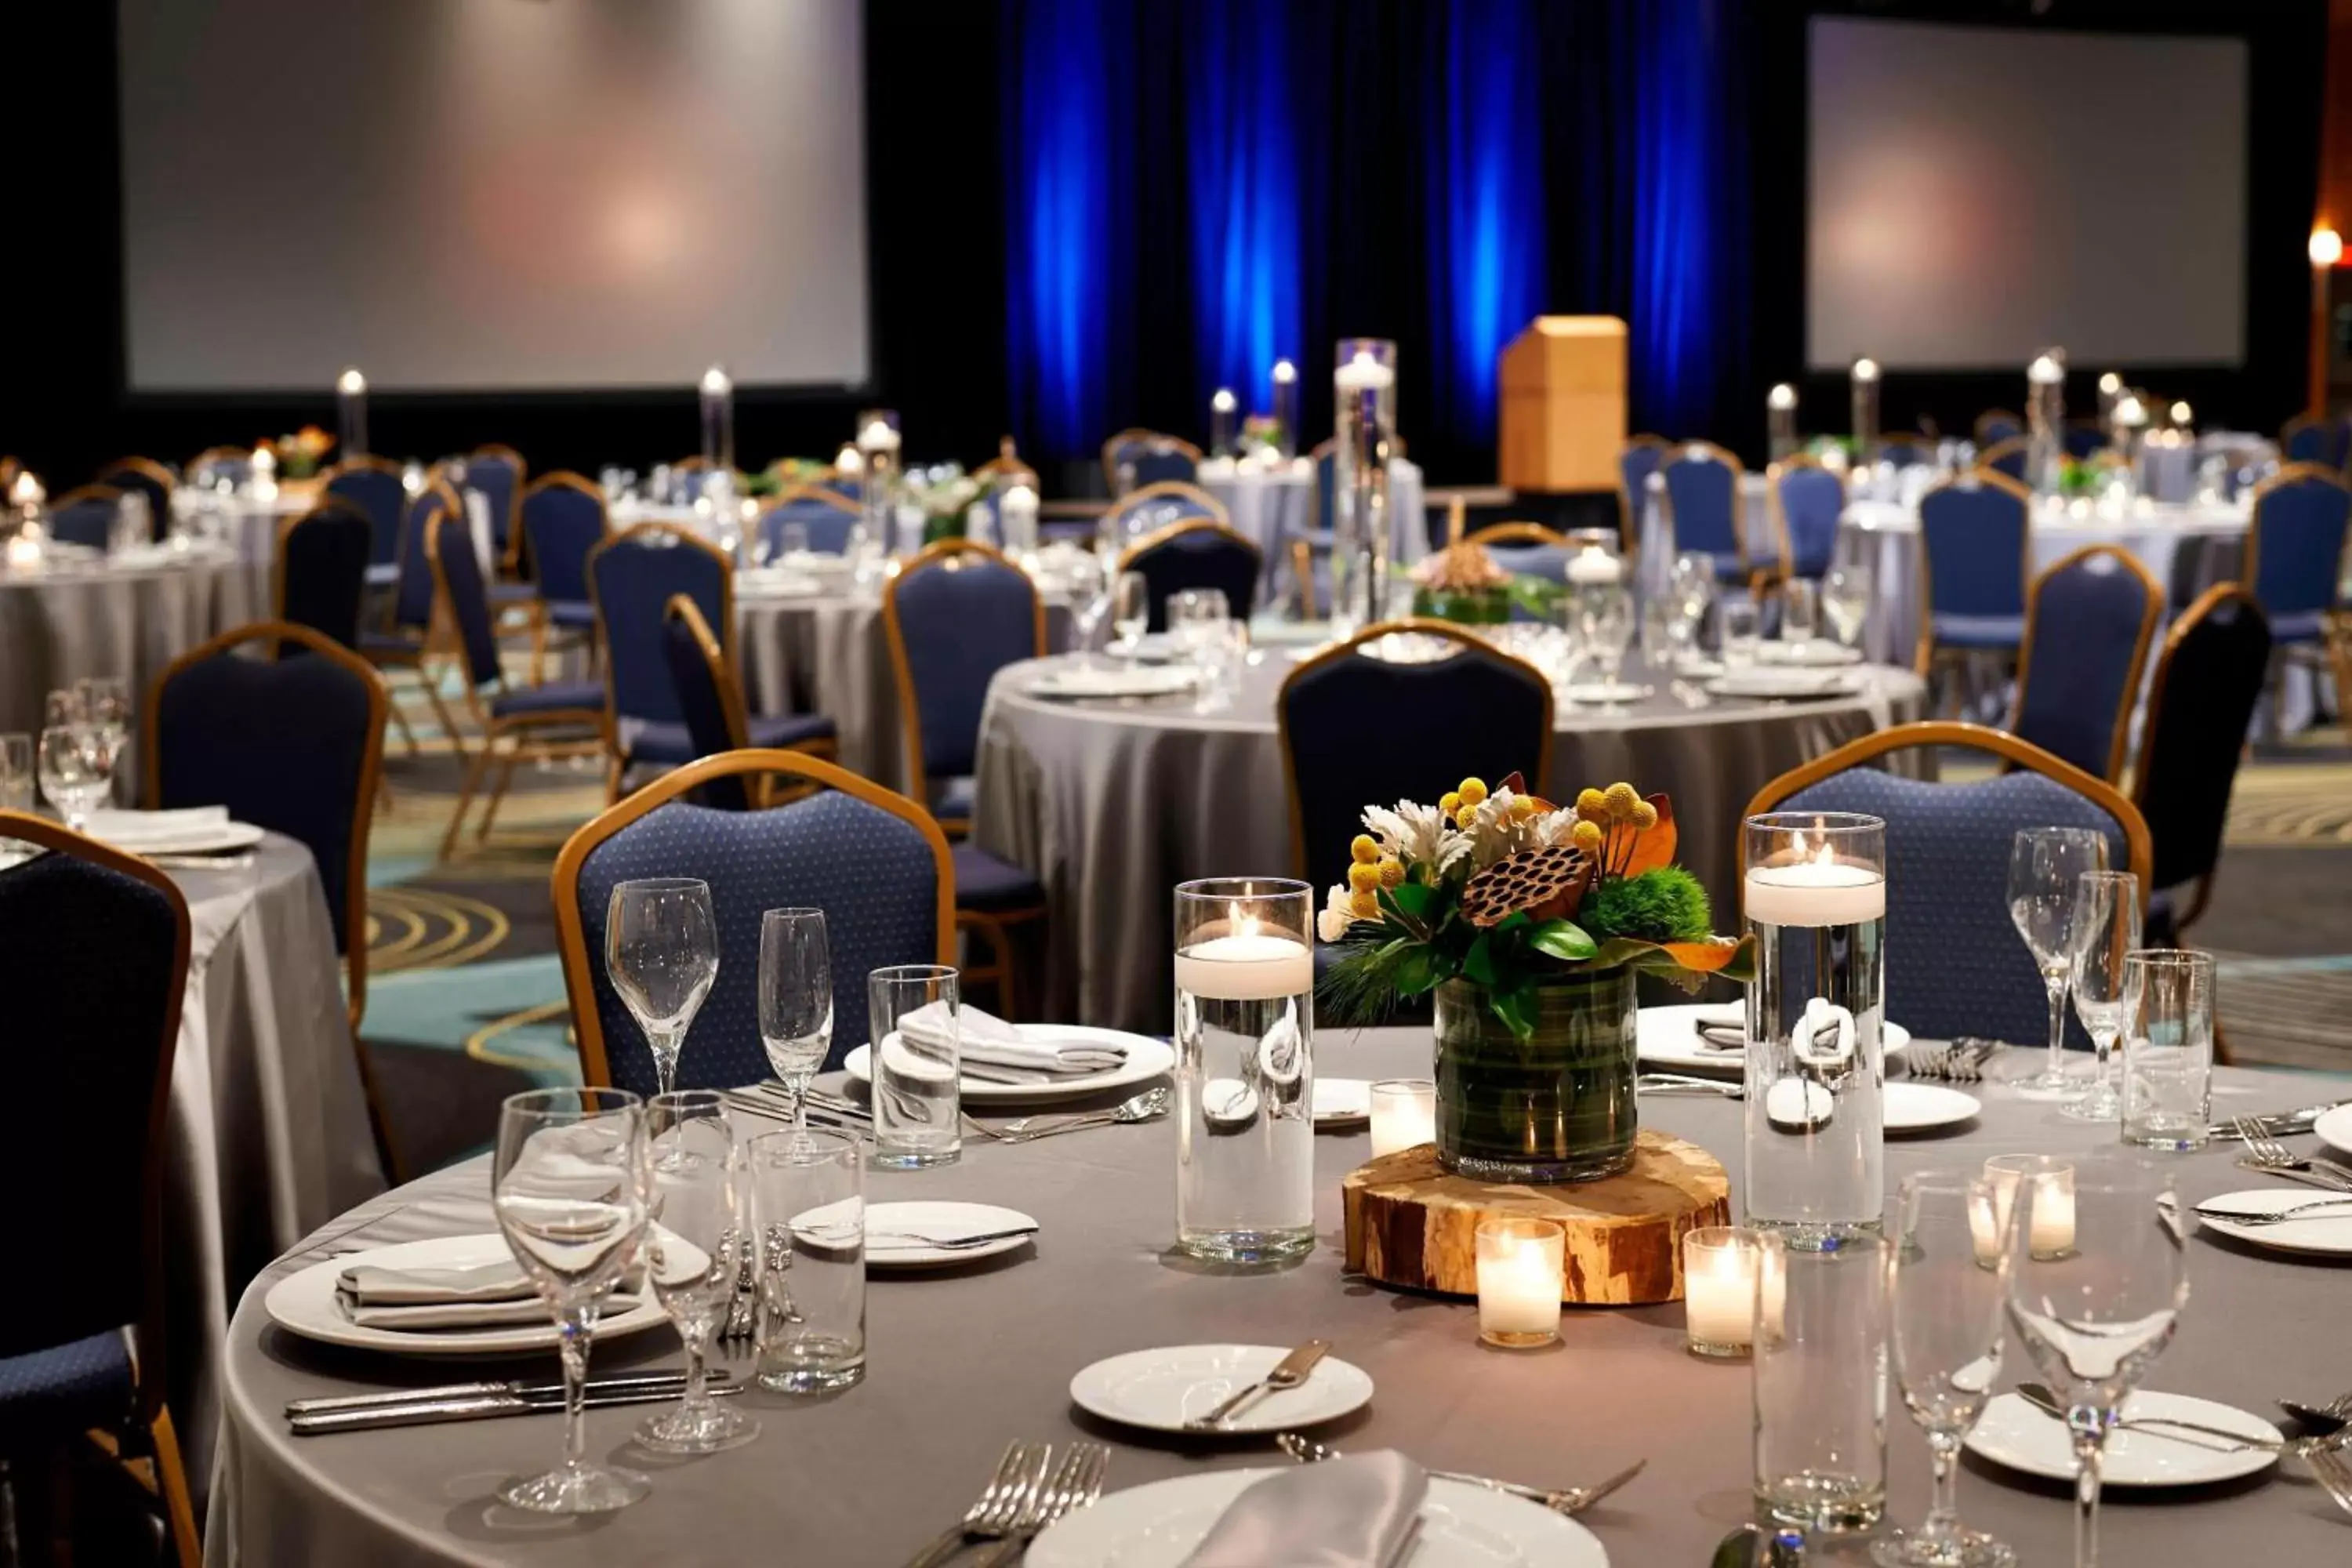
[(1027, 1493), (1564, 1499), (1288, 1373), (842, 1114), (2280, 1124), (481, 1401), (2266, 1154), (1960, 1061), (1677, 1083)]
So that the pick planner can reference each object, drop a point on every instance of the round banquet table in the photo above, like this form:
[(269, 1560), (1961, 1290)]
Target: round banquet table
[(1110, 804), (964, 1361)]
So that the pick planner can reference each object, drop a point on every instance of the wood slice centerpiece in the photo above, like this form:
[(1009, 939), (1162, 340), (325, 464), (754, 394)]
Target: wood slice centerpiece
[(1410, 1222)]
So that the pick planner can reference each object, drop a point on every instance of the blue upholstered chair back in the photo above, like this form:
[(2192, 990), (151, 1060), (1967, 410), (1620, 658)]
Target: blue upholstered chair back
[(1811, 497), (2298, 550), (235, 466), (90, 965), (1994, 428), (632, 576), (1137, 516), (497, 475), (959, 619), (1326, 478), (457, 574), (1185, 558), (1475, 714), (379, 493), (562, 523), (1636, 461), (1151, 458), (1955, 963), (702, 700), (872, 874), (2086, 636), (322, 561), (1906, 449), (1703, 493), (2215, 664), (411, 593), (2084, 442), (85, 519), (1972, 538), (286, 744), (2006, 457), (135, 477), (849, 490), (2302, 441), (828, 525)]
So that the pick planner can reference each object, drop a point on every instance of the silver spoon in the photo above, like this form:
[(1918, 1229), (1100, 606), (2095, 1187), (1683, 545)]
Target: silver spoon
[(1145, 1107), (2194, 1434), (2323, 1419), (1567, 1499)]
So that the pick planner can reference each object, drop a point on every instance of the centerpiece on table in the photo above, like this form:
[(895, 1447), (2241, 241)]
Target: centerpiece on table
[(1527, 922), (299, 455), (946, 495), (1467, 585)]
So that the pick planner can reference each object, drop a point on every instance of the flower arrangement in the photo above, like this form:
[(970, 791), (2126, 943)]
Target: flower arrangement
[(1261, 438), (1509, 892), (297, 456), (1461, 567)]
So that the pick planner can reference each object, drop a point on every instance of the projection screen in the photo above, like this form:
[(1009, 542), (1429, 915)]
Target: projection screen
[(1979, 194), (492, 194)]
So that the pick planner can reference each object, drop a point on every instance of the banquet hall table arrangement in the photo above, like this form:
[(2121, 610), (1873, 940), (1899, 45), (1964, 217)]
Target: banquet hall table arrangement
[(1109, 801), (966, 1358), (1275, 503)]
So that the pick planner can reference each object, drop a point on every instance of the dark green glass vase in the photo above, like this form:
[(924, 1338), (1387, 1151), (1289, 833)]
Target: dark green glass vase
[(1464, 607), (1555, 1107)]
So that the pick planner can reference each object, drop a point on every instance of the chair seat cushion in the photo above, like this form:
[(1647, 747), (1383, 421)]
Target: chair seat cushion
[(571, 613), (670, 744), (374, 642), (1728, 568), (48, 1396), (503, 593), (985, 882), (954, 799), (1980, 631), (2297, 626), (553, 697)]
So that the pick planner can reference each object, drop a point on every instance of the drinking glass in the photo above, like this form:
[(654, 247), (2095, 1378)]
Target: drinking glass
[(795, 999), (2167, 1029), (1800, 611), (1737, 621), (16, 772), (1195, 617), (65, 705), (106, 702), (1819, 1370), (1130, 610), (2105, 930), (1845, 603), (2044, 864), (1944, 1331), (808, 1202), (661, 953), (2095, 1315), (1694, 585), (697, 1235), (916, 1063), (1089, 603), (568, 1185), (73, 772), (1604, 615)]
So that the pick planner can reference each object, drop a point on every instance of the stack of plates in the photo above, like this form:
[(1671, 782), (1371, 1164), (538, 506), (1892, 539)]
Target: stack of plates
[(197, 831), (1073, 682), (1783, 683), (1815, 652)]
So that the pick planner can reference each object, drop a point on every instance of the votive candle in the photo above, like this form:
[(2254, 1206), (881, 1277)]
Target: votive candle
[(1721, 1266), (2053, 1207), (1521, 1270), (1404, 1114)]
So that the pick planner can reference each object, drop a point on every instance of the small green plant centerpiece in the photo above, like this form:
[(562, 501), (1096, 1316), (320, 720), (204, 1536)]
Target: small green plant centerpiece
[(1526, 923)]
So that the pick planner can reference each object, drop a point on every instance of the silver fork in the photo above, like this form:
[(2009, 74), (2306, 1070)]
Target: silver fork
[(2265, 1153), (1078, 1483), (998, 1506), (2332, 1468), (2273, 1217)]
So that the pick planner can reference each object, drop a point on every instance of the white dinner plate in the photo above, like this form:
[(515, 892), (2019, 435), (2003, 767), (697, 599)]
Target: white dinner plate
[(1147, 1059), (2335, 1127), (2326, 1234), (1816, 654), (1342, 1101), (1667, 1039), (886, 1250), (1161, 1524), (1605, 691), (1916, 1106), (1163, 1389), (1073, 682), (773, 584), (210, 839), (2012, 1433), (1784, 684), (305, 1303)]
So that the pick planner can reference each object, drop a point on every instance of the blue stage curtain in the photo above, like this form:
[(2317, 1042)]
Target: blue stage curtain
[(1241, 162)]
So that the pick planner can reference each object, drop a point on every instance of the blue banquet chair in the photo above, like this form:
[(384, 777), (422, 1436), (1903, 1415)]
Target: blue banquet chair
[(85, 516), (374, 485), (499, 472), (96, 956), (1153, 507), (1526, 549), (632, 577), (403, 643), (153, 482), (874, 862), (320, 576), (2089, 620), (954, 617), (709, 699), (1995, 425), (1906, 448), (1806, 499), (2295, 556), (215, 465), (1149, 457), (1703, 503), (1196, 554), (2084, 441), (562, 520), (826, 516), (2208, 679), (2302, 439), (1640, 456), (1955, 964), (1974, 533), (2008, 458)]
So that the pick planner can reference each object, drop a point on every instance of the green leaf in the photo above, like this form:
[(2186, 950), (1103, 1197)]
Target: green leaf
[(1512, 1007), (1411, 898), (1478, 963), (1563, 940), (1416, 970)]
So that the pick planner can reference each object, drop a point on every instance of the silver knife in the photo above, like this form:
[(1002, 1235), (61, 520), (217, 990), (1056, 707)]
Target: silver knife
[(513, 1385), (1288, 1373), (426, 1412), (2284, 1123)]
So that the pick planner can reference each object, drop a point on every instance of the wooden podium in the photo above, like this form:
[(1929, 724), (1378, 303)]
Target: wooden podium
[(1564, 404)]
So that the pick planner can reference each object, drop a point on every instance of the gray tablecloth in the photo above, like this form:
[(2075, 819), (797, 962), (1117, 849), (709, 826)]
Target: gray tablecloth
[(964, 1361), (1111, 803), (268, 1129)]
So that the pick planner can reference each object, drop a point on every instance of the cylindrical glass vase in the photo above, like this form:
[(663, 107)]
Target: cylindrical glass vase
[(1364, 428), (1820, 1368), (1558, 1106), (877, 450)]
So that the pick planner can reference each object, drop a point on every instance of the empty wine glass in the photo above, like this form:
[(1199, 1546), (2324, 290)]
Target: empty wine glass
[(1845, 603), (1196, 617), (568, 1185), (2106, 928), (1800, 610), (106, 702), (2045, 863), (1740, 624), (1130, 610), (697, 1235), (72, 765), (795, 1000), (2095, 1313), (1605, 627), (661, 953), (1944, 1331)]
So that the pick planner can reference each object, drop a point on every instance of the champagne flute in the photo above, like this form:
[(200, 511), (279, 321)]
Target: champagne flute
[(697, 1237), (72, 763), (661, 953), (106, 702), (2094, 1313), (1605, 618), (2043, 865), (1130, 610), (2106, 928), (795, 1000), (1945, 1313), (568, 1185)]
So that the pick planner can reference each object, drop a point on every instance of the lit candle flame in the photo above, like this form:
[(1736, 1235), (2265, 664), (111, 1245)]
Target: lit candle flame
[(1244, 925)]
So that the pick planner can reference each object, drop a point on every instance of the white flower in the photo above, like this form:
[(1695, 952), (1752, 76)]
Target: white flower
[(1416, 835), (1331, 922), (1556, 830), (1494, 835)]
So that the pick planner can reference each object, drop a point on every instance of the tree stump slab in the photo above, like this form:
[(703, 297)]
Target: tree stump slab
[(1409, 1222)]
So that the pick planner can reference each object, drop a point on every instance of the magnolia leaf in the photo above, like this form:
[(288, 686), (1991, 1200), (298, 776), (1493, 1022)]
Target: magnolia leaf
[(1412, 900), (1511, 1007), (1511, 922), (1654, 846), (1563, 940), (1478, 963), (1416, 972), (1732, 960)]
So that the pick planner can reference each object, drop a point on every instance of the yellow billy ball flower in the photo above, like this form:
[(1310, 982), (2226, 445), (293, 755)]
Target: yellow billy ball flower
[(1363, 877), (1586, 836), (1646, 816), (1391, 872), (1367, 906), (1450, 802), (1523, 807), (1621, 801), (1473, 792), (1362, 850), (1592, 804)]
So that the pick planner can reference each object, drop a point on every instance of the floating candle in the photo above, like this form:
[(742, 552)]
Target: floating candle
[(1245, 964), (1812, 888)]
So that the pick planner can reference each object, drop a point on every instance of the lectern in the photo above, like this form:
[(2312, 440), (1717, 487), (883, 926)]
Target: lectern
[(1564, 404)]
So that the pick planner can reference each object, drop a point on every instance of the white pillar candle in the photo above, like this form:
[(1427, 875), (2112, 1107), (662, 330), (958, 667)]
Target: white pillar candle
[(26, 491), (1819, 891), (1364, 374), (1404, 1114), (877, 437), (1593, 565), (1246, 963), (848, 461), (1520, 1276), (351, 411), (1285, 407)]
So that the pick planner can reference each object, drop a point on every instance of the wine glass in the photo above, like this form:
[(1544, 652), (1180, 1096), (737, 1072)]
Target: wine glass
[(72, 765), (795, 999), (697, 1235), (1845, 603), (1605, 625), (2095, 1287), (1945, 1331), (1089, 603), (2106, 928), (1130, 610), (1740, 623), (568, 1185), (106, 702), (661, 953), (2043, 865)]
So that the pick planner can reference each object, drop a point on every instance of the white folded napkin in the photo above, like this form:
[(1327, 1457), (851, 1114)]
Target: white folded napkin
[(490, 1294), (1361, 1511), (984, 1039), (473, 1314), (146, 830), (1723, 1028)]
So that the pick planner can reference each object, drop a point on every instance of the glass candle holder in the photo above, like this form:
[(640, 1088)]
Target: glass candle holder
[(1722, 1268), (1404, 1114), (2052, 1183), (1363, 403), (1819, 1374), (1246, 1068), (1285, 376), (1521, 1271), (878, 451)]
